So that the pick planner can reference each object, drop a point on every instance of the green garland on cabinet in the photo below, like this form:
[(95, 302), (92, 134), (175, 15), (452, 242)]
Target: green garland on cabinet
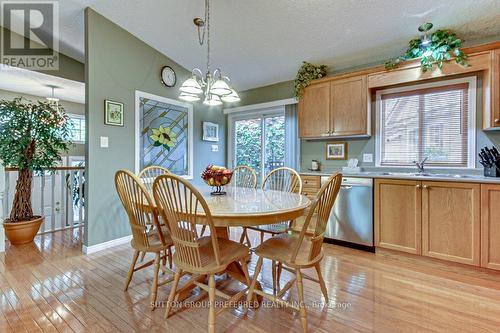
[(306, 73)]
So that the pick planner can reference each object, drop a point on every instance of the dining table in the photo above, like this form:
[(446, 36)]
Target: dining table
[(243, 207)]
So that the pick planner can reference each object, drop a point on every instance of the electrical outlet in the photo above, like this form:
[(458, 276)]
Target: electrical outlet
[(215, 148), (367, 158)]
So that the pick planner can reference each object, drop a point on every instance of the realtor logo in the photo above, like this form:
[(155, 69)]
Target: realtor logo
[(30, 34)]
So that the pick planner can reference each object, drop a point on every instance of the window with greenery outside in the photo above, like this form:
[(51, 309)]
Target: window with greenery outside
[(32, 137), (248, 139)]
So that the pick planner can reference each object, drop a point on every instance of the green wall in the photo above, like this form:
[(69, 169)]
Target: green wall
[(118, 64), (273, 92)]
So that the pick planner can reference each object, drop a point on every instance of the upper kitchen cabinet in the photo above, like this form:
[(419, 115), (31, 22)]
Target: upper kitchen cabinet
[(495, 89), (314, 111), (336, 107), (349, 107)]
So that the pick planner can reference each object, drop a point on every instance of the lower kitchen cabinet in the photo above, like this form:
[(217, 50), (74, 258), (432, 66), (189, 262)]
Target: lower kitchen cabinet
[(398, 215), (451, 221), (490, 226)]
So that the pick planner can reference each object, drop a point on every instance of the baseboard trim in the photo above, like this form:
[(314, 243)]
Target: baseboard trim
[(106, 245)]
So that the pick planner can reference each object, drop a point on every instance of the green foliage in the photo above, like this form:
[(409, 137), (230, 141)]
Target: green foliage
[(32, 135), (443, 45), (248, 142), (307, 72)]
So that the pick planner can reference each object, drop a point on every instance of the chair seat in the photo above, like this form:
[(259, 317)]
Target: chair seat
[(229, 252), (155, 244), (275, 228), (280, 248)]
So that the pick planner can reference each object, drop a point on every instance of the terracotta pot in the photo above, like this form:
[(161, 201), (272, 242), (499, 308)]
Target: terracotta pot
[(22, 232)]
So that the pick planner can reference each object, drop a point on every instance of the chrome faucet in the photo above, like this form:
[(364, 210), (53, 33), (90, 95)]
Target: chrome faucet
[(420, 165)]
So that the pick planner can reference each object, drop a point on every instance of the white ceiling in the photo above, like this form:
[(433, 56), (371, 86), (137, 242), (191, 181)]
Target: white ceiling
[(33, 83), (260, 42)]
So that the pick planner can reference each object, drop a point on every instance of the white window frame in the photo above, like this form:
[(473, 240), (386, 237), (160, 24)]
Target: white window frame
[(262, 113), (471, 131), (80, 116), (140, 94)]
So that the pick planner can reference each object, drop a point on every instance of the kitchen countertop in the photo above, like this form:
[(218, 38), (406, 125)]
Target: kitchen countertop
[(429, 176)]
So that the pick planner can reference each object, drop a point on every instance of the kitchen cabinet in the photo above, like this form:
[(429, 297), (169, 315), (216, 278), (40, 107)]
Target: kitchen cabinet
[(490, 226), (398, 207), (335, 108), (310, 185), (349, 107), (314, 111), (451, 221), (495, 89)]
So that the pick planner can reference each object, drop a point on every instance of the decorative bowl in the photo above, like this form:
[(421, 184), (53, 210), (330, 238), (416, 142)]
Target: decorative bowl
[(217, 177)]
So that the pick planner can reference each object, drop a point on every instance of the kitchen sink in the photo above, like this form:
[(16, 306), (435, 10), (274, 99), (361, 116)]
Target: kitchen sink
[(426, 174)]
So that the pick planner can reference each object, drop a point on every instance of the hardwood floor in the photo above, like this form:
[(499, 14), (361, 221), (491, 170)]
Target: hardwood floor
[(50, 286)]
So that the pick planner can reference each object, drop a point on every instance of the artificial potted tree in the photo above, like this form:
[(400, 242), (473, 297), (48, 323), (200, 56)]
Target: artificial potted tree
[(32, 137)]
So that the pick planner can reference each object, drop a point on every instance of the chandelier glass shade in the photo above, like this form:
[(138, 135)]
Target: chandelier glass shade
[(214, 86)]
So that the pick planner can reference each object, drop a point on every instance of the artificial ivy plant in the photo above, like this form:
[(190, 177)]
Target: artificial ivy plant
[(32, 137), (436, 48), (308, 72)]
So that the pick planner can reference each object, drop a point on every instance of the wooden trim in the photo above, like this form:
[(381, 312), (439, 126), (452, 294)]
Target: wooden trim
[(471, 50), (477, 62)]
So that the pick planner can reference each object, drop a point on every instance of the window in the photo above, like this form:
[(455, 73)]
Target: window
[(258, 141), (78, 128), (434, 120)]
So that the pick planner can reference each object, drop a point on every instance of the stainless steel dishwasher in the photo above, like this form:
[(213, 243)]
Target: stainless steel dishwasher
[(351, 219)]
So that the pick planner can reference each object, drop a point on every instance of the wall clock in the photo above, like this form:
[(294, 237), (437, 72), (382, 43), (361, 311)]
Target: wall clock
[(168, 76)]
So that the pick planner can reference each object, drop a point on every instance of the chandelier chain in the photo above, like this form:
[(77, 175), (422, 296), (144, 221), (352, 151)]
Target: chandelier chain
[(207, 18)]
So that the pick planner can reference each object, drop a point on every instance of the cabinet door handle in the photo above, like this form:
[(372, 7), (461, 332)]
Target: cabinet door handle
[(418, 186), (497, 121), (426, 187)]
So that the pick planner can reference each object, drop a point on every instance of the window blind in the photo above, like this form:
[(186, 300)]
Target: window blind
[(430, 122)]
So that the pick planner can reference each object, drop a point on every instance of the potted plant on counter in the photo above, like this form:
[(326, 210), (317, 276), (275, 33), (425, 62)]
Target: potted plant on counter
[(32, 137)]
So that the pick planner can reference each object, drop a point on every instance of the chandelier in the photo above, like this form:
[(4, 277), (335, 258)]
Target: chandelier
[(213, 86)]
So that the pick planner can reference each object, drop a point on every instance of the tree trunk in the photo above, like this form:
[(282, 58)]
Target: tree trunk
[(21, 207)]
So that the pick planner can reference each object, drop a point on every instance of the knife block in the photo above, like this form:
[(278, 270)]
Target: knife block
[(492, 171)]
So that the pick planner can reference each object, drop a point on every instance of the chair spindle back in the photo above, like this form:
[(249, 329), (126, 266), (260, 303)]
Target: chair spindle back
[(283, 179), (320, 209), (244, 176), (149, 174), (181, 205), (138, 204)]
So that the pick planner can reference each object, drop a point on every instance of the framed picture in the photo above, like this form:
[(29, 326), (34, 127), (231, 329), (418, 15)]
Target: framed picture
[(164, 134), (113, 113), (336, 151), (210, 131)]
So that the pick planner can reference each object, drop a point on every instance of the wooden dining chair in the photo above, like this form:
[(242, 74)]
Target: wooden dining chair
[(281, 179), (243, 176), (149, 174), (181, 205), (297, 251), (138, 204)]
